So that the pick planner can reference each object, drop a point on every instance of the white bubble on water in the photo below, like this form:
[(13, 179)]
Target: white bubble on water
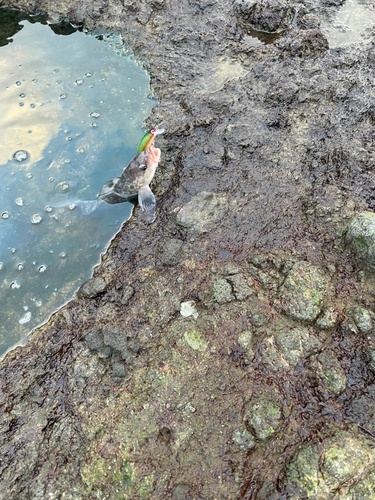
[(19, 202), (32, 106), (102, 79), (71, 206), (80, 150), (94, 114), (15, 285), (34, 81), (29, 176), (20, 155), (20, 267), (64, 186), (18, 83), (79, 82), (21, 104), (36, 218), (5, 215), (47, 208), (13, 250), (25, 318), (88, 74), (41, 269), (69, 138), (63, 255), (94, 124), (1, 266), (62, 96), (22, 96), (51, 179)]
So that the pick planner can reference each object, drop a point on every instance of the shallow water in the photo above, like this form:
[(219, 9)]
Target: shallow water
[(71, 114), (353, 23)]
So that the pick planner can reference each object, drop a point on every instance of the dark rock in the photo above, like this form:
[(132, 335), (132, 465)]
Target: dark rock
[(92, 288), (265, 15), (169, 252)]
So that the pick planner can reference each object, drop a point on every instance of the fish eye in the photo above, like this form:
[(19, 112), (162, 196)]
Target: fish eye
[(152, 131)]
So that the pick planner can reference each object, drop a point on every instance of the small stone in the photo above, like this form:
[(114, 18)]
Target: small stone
[(241, 286), (303, 471), (127, 294), (328, 319), (200, 212), (362, 319), (303, 292), (169, 252), (331, 372), (243, 439), (271, 357), (195, 340), (118, 370), (263, 417), (91, 288), (244, 339), (296, 343), (361, 239), (222, 291)]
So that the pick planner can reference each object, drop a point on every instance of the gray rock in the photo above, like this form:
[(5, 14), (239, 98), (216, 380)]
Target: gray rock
[(169, 252), (116, 339), (265, 15), (331, 372), (200, 212), (361, 239), (328, 319), (362, 319), (365, 488), (296, 343), (118, 370), (303, 292), (222, 291), (302, 472), (127, 294), (271, 357), (243, 439), (262, 417), (241, 286), (343, 459), (91, 288)]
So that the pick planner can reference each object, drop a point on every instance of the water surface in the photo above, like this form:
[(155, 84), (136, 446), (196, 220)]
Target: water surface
[(71, 114)]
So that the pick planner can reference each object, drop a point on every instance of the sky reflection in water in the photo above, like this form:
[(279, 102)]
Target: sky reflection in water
[(72, 110)]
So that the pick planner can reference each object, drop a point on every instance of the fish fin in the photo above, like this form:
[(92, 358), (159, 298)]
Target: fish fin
[(108, 187), (88, 207), (146, 200)]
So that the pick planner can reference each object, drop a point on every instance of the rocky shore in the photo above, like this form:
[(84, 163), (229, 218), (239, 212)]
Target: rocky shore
[(227, 351)]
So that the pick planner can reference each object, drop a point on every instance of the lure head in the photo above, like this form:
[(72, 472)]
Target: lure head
[(148, 139)]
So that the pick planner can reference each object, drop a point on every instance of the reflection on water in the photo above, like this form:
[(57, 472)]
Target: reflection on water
[(72, 108), (354, 23)]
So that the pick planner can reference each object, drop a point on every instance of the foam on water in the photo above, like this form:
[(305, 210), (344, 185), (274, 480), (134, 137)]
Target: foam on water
[(72, 109)]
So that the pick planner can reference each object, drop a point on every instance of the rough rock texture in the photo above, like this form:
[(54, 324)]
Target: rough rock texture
[(267, 391)]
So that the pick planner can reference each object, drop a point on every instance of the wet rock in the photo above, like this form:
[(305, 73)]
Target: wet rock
[(195, 340), (116, 338), (265, 15), (244, 340), (118, 370), (271, 357), (364, 488), (361, 239), (241, 286), (169, 252), (258, 320), (362, 319), (243, 440), (343, 459), (263, 417), (302, 472), (303, 292), (328, 319), (296, 343), (91, 288), (181, 492), (127, 294), (198, 215), (222, 291), (308, 22), (331, 372)]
